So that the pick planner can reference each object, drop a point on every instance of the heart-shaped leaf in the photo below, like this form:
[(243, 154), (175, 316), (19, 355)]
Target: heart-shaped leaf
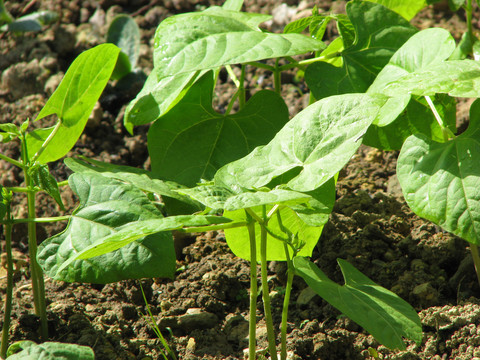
[(379, 33), (192, 141), (440, 181), (28, 350), (105, 206), (206, 40), (311, 148)]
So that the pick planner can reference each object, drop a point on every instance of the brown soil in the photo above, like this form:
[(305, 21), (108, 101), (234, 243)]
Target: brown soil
[(206, 306)]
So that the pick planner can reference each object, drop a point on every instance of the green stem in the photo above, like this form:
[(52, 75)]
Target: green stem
[(469, 12), (241, 89), (39, 220), (266, 292), (231, 225), (262, 66), (447, 134), (476, 260), (46, 142), (309, 61), (62, 183), (253, 291), (232, 75), (11, 161), (38, 285), (286, 302), (277, 78), (9, 290)]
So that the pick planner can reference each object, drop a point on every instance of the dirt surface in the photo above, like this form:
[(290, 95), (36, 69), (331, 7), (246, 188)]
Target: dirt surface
[(206, 306)]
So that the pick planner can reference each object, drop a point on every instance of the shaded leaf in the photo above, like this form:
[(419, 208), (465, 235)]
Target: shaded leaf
[(440, 180), (124, 32), (142, 179), (192, 141), (44, 180), (379, 32), (238, 239), (105, 206), (379, 311)]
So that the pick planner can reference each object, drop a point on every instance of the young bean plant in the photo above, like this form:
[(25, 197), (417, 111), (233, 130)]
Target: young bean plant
[(272, 179), (72, 102)]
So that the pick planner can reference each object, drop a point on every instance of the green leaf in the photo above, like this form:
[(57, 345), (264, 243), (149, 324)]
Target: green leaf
[(156, 98), (73, 101), (139, 178), (239, 242), (5, 17), (440, 180), (297, 26), (379, 33), (215, 37), (106, 205), (396, 121), (192, 141), (455, 5), (311, 148), (459, 78), (31, 22), (28, 350), (417, 117), (407, 8), (379, 311), (44, 180), (234, 5), (124, 32), (131, 232)]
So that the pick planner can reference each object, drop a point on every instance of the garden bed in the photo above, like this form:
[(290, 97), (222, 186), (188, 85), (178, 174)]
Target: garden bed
[(206, 305)]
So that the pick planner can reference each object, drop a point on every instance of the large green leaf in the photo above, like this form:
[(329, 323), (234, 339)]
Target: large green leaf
[(311, 148), (416, 118), (105, 206), (133, 231), (407, 8), (139, 178), (73, 101), (192, 141), (28, 350), (238, 239), (379, 33), (440, 181), (379, 311), (396, 120), (156, 98), (460, 78), (215, 37)]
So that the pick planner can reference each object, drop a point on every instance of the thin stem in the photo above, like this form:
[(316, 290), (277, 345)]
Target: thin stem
[(39, 220), (253, 291), (38, 285), (231, 225), (241, 89), (46, 142), (9, 291), (447, 134), (11, 161), (469, 11), (266, 292), (277, 78), (232, 76), (476, 260), (309, 61), (231, 103), (286, 302), (262, 66), (62, 183)]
